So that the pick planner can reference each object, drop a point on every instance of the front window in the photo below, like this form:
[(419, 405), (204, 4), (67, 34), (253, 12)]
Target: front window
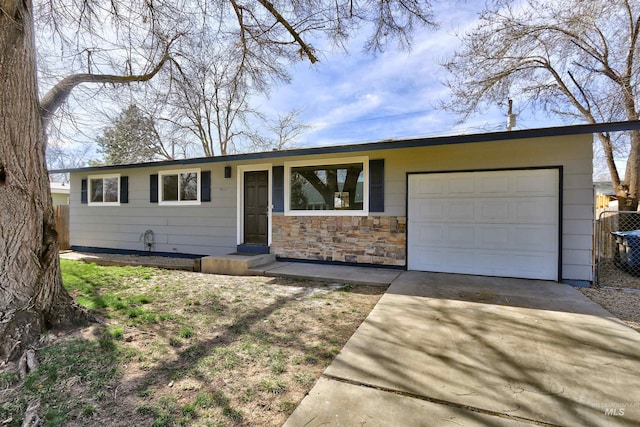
[(180, 187), (330, 188), (104, 190)]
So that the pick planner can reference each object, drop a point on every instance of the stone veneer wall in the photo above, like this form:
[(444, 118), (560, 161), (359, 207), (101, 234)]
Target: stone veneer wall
[(370, 239)]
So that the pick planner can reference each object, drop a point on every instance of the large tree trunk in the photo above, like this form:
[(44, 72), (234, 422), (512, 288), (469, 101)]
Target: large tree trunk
[(32, 298), (629, 202)]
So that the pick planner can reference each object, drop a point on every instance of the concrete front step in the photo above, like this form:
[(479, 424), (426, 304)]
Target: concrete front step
[(235, 264)]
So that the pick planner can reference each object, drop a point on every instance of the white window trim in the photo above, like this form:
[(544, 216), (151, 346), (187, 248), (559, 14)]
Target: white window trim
[(161, 174), (103, 177), (327, 162)]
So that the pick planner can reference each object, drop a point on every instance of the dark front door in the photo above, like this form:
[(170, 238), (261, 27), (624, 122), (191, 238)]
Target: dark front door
[(256, 208)]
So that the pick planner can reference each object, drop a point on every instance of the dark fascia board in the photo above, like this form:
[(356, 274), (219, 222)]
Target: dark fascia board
[(384, 145)]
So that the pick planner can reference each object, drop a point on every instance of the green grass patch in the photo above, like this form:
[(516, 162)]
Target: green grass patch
[(96, 287), (88, 364), (115, 332)]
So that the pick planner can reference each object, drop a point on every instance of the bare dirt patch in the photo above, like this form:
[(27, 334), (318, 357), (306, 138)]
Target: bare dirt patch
[(184, 348)]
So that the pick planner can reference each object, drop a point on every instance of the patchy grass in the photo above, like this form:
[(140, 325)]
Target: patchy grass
[(180, 348)]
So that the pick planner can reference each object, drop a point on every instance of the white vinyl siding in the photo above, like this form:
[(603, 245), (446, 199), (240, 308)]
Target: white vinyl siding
[(213, 229), (205, 229)]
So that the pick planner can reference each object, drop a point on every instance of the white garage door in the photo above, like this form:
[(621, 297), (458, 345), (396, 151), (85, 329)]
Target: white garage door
[(497, 223)]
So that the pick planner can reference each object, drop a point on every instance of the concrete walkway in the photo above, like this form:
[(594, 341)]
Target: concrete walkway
[(330, 272), (443, 349)]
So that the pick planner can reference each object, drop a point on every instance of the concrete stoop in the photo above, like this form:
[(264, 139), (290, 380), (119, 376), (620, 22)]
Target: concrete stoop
[(235, 264)]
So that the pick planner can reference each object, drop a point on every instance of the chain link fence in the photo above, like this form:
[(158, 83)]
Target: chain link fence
[(617, 249)]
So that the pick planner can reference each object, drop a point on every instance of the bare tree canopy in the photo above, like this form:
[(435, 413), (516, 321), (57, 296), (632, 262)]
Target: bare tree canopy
[(104, 43), (575, 59), (207, 59), (132, 138)]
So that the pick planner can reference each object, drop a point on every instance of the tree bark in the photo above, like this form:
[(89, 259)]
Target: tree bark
[(32, 298)]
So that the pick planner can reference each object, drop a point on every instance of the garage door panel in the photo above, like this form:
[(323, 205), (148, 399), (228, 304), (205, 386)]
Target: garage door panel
[(541, 210), (502, 223), (536, 183), (530, 238), (434, 210), (460, 236), (428, 186), (493, 236), (458, 210), (431, 260), (461, 186), (494, 210), (508, 237), (493, 185), (430, 234), (487, 263), (538, 211)]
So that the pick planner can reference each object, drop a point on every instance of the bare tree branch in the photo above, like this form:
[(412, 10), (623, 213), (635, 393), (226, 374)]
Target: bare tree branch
[(60, 92)]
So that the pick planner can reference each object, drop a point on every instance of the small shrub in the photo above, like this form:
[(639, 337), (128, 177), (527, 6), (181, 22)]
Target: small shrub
[(287, 407), (204, 400), (231, 413), (273, 385), (8, 379), (143, 299), (186, 332), (279, 367), (189, 411), (144, 392), (116, 333), (304, 378), (88, 410), (145, 410)]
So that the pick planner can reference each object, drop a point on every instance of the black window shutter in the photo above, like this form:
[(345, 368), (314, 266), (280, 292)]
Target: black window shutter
[(376, 185), (124, 189), (205, 186), (83, 191), (277, 197), (153, 188)]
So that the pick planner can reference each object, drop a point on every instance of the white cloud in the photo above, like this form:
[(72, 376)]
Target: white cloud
[(357, 97)]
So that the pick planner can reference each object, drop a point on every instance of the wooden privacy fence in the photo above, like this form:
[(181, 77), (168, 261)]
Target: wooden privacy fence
[(62, 225), (602, 201)]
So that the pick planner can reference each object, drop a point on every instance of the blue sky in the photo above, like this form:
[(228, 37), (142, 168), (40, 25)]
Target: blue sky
[(358, 97)]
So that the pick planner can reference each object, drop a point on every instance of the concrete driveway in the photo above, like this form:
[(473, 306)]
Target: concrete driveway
[(443, 349)]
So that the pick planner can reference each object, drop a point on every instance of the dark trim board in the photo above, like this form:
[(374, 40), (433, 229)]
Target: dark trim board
[(252, 249), (386, 145), (95, 250), (558, 168), (577, 283)]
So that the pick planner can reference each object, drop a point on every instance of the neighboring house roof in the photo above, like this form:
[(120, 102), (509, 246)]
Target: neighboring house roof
[(386, 145), (604, 187), (60, 188)]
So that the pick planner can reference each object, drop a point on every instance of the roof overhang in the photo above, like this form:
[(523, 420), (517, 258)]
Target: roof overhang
[(385, 145)]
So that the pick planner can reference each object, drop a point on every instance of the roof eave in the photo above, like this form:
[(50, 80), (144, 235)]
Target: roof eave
[(384, 145)]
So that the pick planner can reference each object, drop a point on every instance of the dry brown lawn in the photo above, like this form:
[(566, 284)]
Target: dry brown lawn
[(181, 348)]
